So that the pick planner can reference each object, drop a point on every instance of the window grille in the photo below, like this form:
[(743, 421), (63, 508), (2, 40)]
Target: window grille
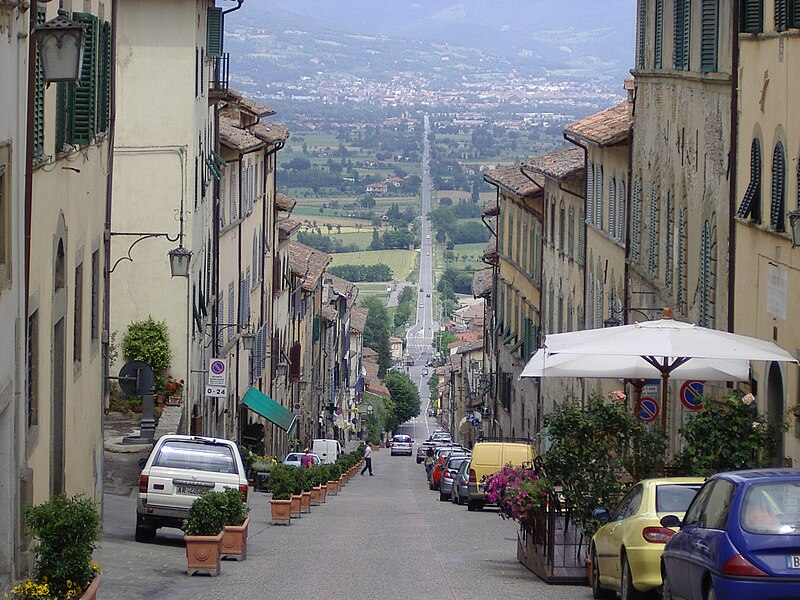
[(751, 203), (777, 217)]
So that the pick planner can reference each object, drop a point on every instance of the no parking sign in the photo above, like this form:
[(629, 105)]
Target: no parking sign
[(692, 394), (648, 409)]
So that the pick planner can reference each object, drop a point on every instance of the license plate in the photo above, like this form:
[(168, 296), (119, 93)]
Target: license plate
[(793, 561), (188, 490)]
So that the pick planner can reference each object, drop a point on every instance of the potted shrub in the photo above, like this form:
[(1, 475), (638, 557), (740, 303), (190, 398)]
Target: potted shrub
[(282, 484), (306, 486), (316, 482), (334, 473), (66, 532), (202, 529), (234, 534)]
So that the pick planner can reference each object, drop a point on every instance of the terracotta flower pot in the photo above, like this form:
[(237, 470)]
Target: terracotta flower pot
[(333, 487), (281, 511), (323, 490), (203, 554), (305, 503), (295, 509), (316, 493), (90, 593), (234, 541)]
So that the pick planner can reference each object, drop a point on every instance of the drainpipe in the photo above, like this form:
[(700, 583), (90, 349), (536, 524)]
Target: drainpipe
[(29, 129), (732, 161)]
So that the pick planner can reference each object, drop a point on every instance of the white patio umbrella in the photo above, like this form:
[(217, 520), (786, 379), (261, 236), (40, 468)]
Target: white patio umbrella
[(665, 344)]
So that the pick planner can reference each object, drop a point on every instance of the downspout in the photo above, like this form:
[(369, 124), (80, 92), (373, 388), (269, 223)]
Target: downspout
[(29, 129), (732, 162)]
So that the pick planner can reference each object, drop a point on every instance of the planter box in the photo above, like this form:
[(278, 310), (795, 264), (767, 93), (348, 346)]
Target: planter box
[(203, 554), (333, 488), (295, 507), (281, 512), (553, 548), (305, 503), (234, 541), (90, 593), (173, 401)]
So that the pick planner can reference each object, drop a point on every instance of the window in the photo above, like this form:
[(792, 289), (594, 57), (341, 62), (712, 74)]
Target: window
[(781, 15), (590, 192), (598, 300), (668, 241), (777, 209), (709, 25), (794, 14), (707, 276), (751, 17), (683, 227), (659, 34), (715, 510), (552, 221), (85, 98), (234, 199), (32, 383), (255, 260), (622, 199), (598, 197), (571, 233), (518, 240), (214, 31), (641, 28), (561, 225), (524, 241), (77, 316), (550, 308), (222, 202), (231, 312), (751, 203), (629, 505), (570, 311), (636, 218), (94, 326), (581, 238), (683, 16), (652, 254), (59, 276), (612, 207), (590, 299)]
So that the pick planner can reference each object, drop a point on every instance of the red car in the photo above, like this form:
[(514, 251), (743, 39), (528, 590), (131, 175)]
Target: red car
[(442, 455)]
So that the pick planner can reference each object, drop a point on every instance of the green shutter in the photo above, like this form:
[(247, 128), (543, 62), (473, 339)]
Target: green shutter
[(640, 50), (705, 274), (214, 32), (794, 13), (84, 94), (316, 328), (777, 220), (679, 48), (659, 33), (752, 16), (38, 95), (751, 203), (62, 116), (105, 79), (781, 15), (708, 37)]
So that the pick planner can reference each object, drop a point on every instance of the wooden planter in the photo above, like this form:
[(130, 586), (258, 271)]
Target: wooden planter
[(323, 491), (234, 541), (316, 494), (553, 549), (295, 508), (281, 512), (90, 593), (305, 503), (203, 554), (333, 487), (173, 400)]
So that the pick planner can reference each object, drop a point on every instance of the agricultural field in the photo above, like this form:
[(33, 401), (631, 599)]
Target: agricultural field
[(402, 262), (456, 195)]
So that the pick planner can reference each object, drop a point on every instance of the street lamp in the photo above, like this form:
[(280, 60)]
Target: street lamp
[(794, 223), (60, 42), (179, 260)]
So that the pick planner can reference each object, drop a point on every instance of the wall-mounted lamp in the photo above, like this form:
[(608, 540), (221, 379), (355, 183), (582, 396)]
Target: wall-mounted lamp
[(794, 224), (179, 260), (281, 369), (60, 42), (247, 336)]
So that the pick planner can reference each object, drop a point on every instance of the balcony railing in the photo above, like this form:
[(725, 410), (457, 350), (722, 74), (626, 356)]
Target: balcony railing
[(218, 84)]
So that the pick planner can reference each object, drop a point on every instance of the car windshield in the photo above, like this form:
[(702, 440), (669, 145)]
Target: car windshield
[(772, 508), (292, 457), (214, 458), (675, 498)]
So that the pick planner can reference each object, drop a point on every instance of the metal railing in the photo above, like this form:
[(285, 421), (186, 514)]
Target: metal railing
[(218, 84)]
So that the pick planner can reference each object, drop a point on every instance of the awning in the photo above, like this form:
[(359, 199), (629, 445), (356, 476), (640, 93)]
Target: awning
[(269, 409)]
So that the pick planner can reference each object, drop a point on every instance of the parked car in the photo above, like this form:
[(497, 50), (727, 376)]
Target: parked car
[(422, 450), (402, 444), (626, 550), (449, 470), (424, 372), (327, 450), (431, 412), (740, 538), (293, 459), (178, 470), (442, 437), (488, 458), (458, 495), (441, 455)]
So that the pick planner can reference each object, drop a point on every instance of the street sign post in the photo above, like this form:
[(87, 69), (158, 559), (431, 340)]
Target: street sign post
[(217, 372), (692, 394), (648, 409), (217, 391)]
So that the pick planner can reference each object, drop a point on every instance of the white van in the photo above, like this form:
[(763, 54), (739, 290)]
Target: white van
[(327, 450)]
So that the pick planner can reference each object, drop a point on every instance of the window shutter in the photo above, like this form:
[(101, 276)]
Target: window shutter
[(705, 274), (708, 37), (668, 240), (233, 198), (794, 13), (581, 239), (590, 192), (62, 116), (220, 319), (781, 15), (105, 79), (571, 232), (681, 259), (84, 95), (776, 216), (679, 36), (658, 32), (315, 329), (622, 213), (570, 311), (612, 207), (642, 35), (598, 197), (751, 203), (636, 217), (222, 202), (214, 31), (231, 311), (38, 95), (652, 255), (752, 16), (590, 300)]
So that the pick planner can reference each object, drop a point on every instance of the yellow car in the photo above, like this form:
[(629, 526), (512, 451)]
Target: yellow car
[(626, 550)]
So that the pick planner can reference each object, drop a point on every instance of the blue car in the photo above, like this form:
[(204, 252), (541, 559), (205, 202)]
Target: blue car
[(740, 538)]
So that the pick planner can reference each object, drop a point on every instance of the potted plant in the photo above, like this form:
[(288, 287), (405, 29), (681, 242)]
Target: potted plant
[(306, 486), (334, 473), (282, 485), (297, 492), (234, 534), (316, 482), (66, 532), (202, 529), (173, 390)]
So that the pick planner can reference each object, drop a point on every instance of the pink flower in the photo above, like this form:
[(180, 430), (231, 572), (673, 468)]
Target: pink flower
[(748, 399), (617, 396)]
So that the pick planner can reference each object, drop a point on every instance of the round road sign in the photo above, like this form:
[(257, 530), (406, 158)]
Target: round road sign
[(692, 394), (648, 409), (218, 367)]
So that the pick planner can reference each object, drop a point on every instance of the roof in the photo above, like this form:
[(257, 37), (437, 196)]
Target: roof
[(343, 288), (469, 312), (490, 252), (257, 108), (566, 163), (358, 319), (482, 283), (270, 132), (287, 227), (236, 138), (470, 346), (606, 128), (284, 202), (329, 313), (513, 180), (307, 263)]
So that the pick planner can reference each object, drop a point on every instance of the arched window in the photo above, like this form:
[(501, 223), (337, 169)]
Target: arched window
[(777, 210), (59, 277), (751, 203)]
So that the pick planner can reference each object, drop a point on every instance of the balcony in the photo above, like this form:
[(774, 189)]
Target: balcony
[(218, 82)]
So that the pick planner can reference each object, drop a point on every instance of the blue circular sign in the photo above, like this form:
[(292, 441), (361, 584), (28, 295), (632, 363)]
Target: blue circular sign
[(692, 395), (648, 409), (218, 367)]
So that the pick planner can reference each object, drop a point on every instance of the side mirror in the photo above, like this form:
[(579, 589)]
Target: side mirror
[(670, 521), (601, 515)]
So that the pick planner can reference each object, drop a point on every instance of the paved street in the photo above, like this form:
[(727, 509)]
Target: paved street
[(385, 536)]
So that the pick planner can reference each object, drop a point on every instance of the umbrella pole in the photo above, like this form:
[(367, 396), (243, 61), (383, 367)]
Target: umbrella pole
[(664, 382)]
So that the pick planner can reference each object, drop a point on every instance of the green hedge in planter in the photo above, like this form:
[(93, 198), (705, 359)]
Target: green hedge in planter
[(207, 514), (282, 482)]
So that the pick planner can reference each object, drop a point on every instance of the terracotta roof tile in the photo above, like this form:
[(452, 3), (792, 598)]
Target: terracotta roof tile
[(482, 283), (270, 132), (512, 179), (566, 163), (307, 263), (287, 227), (358, 318), (606, 128), (284, 202), (235, 137), (257, 108), (343, 288)]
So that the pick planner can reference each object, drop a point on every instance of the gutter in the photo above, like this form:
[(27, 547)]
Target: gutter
[(733, 165)]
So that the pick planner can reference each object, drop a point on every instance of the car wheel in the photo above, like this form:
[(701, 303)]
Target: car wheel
[(144, 534), (710, 593), (597, 591), (472, 506), (443, 497), (627, 591), (419, 461)]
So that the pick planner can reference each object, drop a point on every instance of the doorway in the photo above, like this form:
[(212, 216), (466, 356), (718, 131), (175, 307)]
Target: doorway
[(775, 409)]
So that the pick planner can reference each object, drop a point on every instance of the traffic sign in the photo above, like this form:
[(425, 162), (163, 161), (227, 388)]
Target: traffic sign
[(692, 394), (217, 372), (217, 391), (648, 409)]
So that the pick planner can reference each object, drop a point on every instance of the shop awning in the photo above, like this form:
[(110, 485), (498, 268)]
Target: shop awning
[(269, 409)]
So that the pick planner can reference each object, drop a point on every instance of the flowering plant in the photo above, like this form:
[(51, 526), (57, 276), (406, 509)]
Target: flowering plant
[(169, 386), (518, 492)]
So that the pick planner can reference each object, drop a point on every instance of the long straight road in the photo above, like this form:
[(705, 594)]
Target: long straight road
[(386, 536)]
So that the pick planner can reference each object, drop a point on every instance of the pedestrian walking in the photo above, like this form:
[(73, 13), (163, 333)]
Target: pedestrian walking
[(306, 461), (429, 462), (367, 460)]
